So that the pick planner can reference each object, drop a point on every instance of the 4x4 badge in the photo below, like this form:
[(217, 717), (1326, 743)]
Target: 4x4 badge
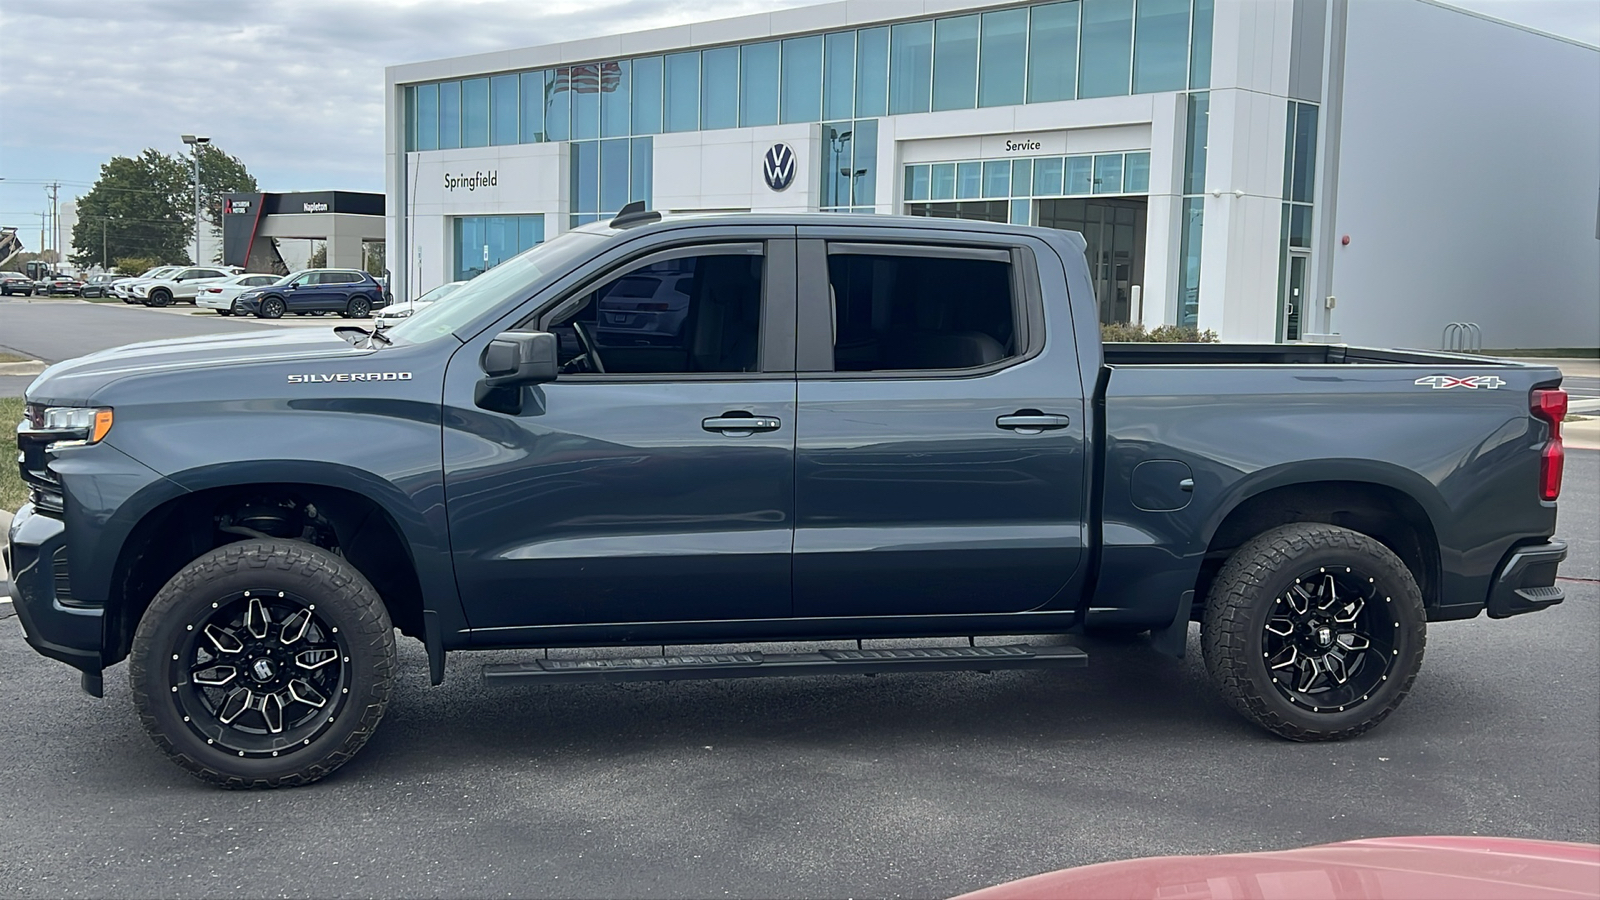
[(1445, 382)]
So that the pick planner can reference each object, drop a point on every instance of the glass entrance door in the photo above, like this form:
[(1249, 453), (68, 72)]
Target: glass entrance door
[(1114, 230), (1294, 284)]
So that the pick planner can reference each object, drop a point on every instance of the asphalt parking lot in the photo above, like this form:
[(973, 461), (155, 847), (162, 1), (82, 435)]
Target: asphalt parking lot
[(895, 786)]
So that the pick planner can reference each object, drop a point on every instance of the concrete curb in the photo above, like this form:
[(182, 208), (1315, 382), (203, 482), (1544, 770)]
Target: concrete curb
[(27, 367)]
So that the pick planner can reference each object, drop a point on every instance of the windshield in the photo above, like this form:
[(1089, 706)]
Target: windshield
[(516, 278), (159, 272), (441, 292)]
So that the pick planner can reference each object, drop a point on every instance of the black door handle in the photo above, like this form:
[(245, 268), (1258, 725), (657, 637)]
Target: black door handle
[(1029, 422), (740, 426)]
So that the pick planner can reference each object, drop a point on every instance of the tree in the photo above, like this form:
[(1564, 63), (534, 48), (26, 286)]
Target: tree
[(144, 206), (220, 175), (137, 208), (318, 258), (375, 253)]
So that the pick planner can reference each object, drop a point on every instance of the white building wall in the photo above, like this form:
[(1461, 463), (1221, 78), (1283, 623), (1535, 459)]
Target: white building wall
[(1469, 173)]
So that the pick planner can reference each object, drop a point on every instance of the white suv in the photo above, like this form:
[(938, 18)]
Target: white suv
[(184, 284), (123, 290)]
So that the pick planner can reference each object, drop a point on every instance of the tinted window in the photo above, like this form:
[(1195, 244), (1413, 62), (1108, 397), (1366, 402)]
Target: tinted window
[(261, 279), (920, 312), (695, 314)]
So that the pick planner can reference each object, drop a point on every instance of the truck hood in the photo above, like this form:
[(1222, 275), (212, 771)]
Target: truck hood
[(76, 381)]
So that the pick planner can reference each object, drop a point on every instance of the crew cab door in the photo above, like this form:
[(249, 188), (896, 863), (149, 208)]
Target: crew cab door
[(940, 457), (653, 480)]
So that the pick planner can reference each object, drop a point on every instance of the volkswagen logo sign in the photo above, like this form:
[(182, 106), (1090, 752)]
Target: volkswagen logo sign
[(777, 167)]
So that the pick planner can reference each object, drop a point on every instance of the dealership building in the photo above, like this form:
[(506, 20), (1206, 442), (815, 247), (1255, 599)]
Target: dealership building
[(1273, 170)]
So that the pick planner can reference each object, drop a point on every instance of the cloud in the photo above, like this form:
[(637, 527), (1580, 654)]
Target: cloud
[(292, 87)]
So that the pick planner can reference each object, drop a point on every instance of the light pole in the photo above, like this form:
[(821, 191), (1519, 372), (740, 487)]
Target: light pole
[(194, 144)]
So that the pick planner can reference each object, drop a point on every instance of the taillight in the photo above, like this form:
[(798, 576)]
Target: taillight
[(1550, 405)]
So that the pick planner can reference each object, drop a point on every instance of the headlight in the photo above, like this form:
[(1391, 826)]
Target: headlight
[(141, 289), (76, 424)]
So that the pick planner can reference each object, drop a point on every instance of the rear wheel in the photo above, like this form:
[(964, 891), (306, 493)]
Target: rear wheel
[(271, 308), (359, 308), (263, 664), (1314, 632)]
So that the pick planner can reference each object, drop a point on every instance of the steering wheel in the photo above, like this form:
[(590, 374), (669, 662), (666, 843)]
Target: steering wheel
[(590, 347)]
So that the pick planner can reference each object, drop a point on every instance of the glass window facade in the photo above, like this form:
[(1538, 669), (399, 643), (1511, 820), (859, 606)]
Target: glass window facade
[(1040, 176), (1191, 222), (1003, 58), (1029, 54), (483, 242), (955, 63), (849, 164), (606, 175), (1299, 192)]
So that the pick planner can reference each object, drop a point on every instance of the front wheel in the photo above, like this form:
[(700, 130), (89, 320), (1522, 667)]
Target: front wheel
[(271, 308), (1314, 632), (263, 664), (159, 298)]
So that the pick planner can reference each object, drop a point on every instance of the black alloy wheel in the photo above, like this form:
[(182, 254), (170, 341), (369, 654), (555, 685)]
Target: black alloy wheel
[(271, 308), (160, 297), (1314, 632), (263, 664), (359, 308)]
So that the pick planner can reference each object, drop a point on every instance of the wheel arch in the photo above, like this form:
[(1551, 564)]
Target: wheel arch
[(372, 524), (1399, 509)]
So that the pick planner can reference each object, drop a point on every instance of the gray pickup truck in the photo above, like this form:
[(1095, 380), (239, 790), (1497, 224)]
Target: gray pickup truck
[(797, 432)]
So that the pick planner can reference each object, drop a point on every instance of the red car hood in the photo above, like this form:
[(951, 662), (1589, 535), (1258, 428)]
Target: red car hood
[(1400, 868)]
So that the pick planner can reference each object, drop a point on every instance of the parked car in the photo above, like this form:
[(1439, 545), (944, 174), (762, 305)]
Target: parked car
[(919, 437), (350, 292), (123, 290), (645, 307), (100, 285), (13, 283), (389, 315), (221, 295), (177, 287), (59, 284)]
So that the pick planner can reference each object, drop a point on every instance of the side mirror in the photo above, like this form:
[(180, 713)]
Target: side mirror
[(517, 358)]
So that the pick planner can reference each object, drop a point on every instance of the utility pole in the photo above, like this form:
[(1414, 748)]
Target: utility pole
[(55, 223), (103, 265)]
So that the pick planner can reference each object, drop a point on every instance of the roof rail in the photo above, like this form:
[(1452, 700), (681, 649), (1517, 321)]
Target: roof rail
[(634, 213)]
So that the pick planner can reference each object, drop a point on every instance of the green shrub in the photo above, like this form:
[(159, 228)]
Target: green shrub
[(136, 265), (1119, 332)]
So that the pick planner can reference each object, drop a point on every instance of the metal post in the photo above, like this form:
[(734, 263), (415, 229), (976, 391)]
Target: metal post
[(194, 143)]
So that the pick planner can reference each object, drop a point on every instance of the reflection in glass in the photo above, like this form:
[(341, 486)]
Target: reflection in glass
[(1200, 46), (839, 75), (449, 115), (1053, 52), (1103, 65), (910, 67), (1161, 46), (557, 105), (584, 85), (683, 92), (585, 180), (534, 85), (616, 84), (955, 63), (719, 88), (1194, 157), (503, 109), (864, 154), (1047, 175), (428, 117), (942, 181), (1080, 174), (758, 84), (969, 180), (1108, 173), (1019, 212), (1003, 58), (475, 112), (996, 179), (642, 173), (613, 175), (802, 80), (916, 182), (646, 112), (872, 71), (1136, 173), (1192, 225)]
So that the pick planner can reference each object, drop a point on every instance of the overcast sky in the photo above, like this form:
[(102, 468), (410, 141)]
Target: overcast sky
[(294, 87)]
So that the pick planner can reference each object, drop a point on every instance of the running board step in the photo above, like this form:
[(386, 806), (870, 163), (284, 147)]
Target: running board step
[(768, 665)]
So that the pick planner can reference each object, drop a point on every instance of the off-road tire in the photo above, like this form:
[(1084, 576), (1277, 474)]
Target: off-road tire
[(341, 597), (1242, 601)]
